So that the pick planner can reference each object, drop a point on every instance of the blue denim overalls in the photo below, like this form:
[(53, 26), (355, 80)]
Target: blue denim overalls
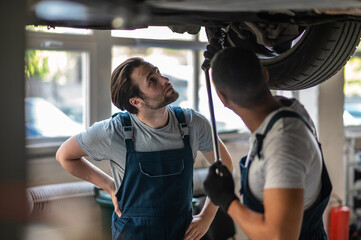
[(156, 193), (312, 224)]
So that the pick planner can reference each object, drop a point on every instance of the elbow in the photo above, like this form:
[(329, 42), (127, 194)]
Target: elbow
[(62, 153), (58, 156), (62, 159)]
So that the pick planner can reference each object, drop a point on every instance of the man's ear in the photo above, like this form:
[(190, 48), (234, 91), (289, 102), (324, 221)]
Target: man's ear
[(266, 74), (135, 102), (223, 98)]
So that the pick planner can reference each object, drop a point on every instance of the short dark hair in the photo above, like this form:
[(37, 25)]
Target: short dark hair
[(122, 87), (238, 73)]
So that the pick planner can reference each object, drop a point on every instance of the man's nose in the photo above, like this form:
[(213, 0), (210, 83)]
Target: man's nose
[(165, 80)]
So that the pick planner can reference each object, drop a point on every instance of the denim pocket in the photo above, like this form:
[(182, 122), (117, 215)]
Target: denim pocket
[(161, 169)]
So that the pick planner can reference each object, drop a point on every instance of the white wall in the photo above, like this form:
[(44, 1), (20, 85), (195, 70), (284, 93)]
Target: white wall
[(331, 134)]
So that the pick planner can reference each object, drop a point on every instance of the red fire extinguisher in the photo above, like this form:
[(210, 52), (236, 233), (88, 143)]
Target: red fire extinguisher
[(339, 223)]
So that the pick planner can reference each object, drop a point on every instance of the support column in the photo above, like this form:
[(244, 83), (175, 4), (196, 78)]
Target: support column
[(12, 130), (100, 79), (331, 132)]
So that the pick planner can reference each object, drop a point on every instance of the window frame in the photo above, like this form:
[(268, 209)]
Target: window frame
[(46, 146)]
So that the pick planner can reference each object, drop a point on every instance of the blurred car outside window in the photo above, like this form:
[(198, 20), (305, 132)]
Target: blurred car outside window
[(54, 93), (43, 119)]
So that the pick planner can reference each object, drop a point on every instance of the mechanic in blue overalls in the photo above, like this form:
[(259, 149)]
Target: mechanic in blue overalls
[(284, 181), (151, 148)]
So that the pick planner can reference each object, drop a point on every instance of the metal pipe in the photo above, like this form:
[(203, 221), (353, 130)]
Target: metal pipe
[(205, 68)]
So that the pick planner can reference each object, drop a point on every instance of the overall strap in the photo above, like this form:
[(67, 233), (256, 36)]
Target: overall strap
[(183, 126), (127, 129), (277, 116)]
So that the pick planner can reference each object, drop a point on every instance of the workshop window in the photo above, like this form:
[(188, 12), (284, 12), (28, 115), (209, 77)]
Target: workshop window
[(58, 71), (54, 93), (352, 90)]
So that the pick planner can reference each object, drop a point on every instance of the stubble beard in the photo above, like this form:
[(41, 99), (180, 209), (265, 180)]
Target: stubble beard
[(160, 101)]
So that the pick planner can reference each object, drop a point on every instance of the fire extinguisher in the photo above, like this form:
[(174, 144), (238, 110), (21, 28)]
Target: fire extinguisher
[(339, 223)]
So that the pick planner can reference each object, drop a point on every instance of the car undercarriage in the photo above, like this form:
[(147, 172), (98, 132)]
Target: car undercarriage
[(302, 43)]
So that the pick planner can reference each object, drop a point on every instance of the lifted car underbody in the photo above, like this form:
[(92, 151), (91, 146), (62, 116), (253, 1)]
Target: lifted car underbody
[(302, 43)]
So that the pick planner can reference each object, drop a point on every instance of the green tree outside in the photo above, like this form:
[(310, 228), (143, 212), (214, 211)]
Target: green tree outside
[(36, 67)]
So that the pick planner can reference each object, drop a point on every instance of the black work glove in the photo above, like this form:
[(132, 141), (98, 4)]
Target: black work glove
[(212, 48), (219, 186)]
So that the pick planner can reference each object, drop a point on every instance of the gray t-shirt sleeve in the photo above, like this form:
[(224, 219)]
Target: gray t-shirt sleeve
[(96, 140), (201, 129)]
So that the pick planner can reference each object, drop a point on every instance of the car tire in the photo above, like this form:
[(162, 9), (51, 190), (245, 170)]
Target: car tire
[(321, 51)]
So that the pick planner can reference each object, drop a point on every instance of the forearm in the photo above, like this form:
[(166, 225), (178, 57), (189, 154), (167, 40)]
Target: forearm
[(225, 156), (281, 220), (70, 156), (209, 210), (85, 170), (252, 223)]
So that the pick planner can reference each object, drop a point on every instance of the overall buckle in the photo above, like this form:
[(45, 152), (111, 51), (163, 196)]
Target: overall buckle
[(184, 129), (128, 132)]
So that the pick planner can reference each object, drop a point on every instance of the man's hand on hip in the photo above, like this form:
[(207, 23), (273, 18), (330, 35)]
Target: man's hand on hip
[(112, 193)]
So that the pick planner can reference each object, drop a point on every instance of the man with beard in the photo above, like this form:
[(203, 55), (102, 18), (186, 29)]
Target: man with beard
[(151, 147)]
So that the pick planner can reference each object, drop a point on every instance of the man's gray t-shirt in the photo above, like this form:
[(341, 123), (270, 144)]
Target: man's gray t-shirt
[(105, 140), (291, 157)]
